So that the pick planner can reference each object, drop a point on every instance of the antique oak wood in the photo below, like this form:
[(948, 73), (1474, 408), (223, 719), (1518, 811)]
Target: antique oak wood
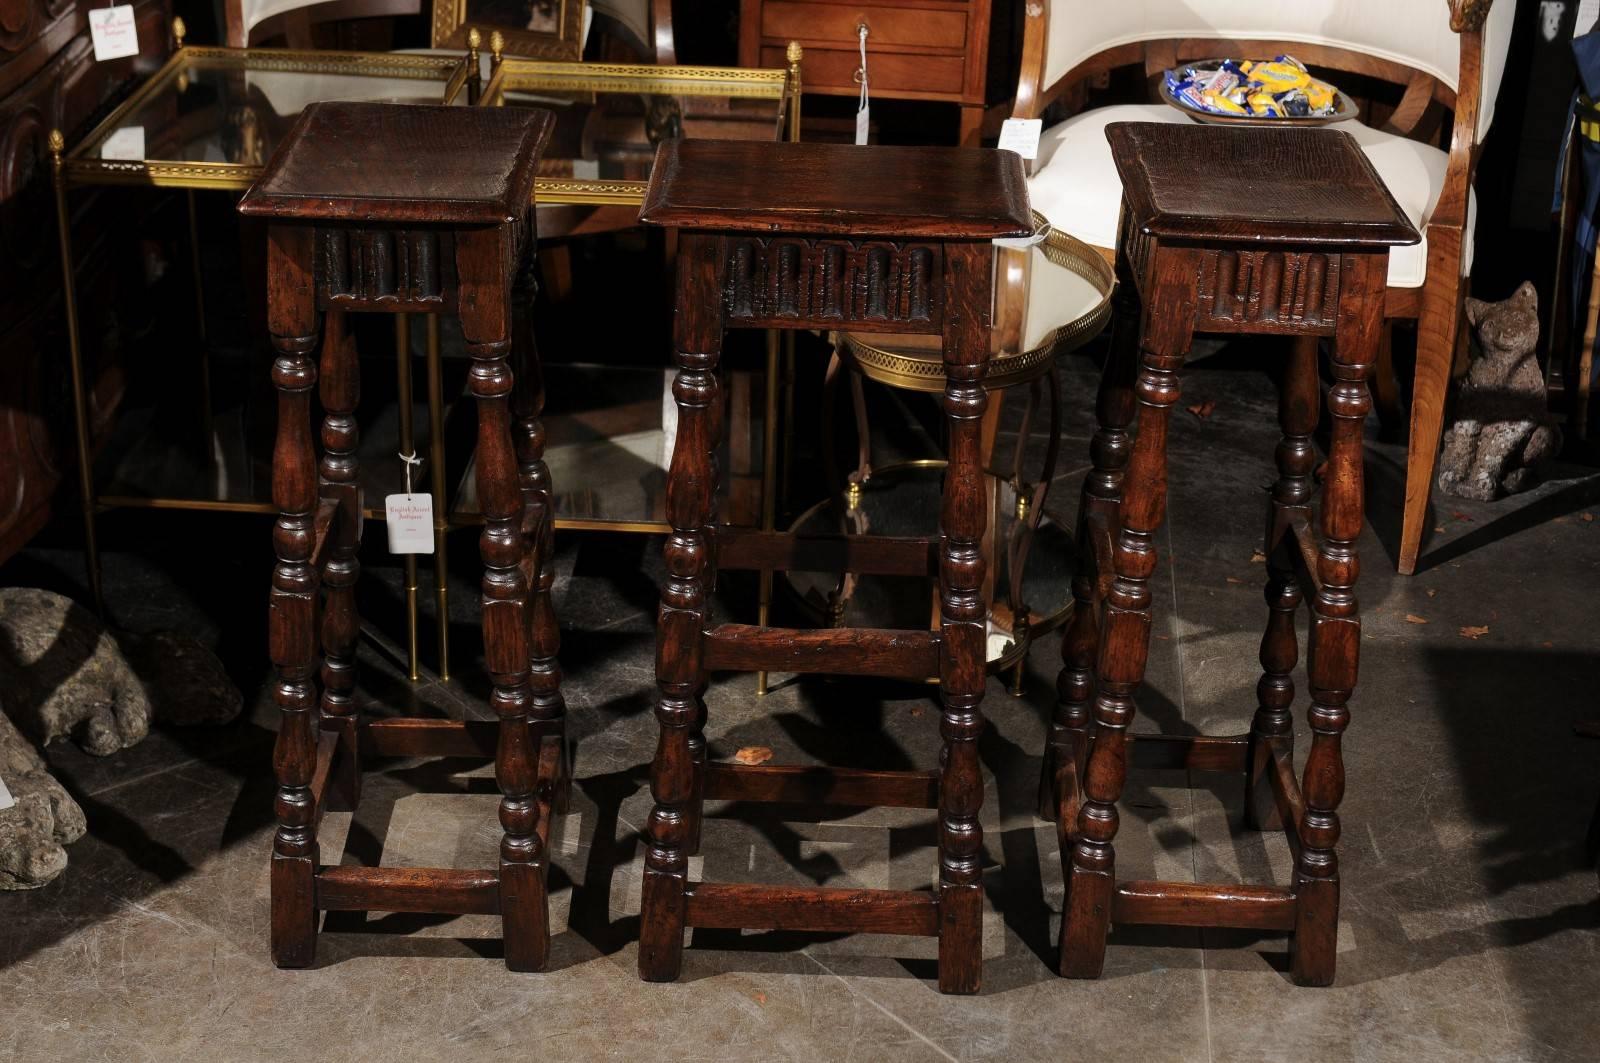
[(809, 236), (384, 208), (1302, 254)]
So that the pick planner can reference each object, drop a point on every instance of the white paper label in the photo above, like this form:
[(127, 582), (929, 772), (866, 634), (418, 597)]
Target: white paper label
[(863, 124), (126, 143), (1022, 243), (1021, 135), (409, 519), (6, 800), (113, 31), (586, 169)]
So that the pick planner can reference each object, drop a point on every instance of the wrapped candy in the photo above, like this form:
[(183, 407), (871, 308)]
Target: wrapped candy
[(1276, 88)]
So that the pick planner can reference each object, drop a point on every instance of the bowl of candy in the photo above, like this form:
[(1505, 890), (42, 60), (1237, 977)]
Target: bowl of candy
[(1255, 92)]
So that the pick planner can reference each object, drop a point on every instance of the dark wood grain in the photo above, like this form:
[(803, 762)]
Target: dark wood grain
[(836, 243), (391, 209), (899, 192), (1190, 258), (1307, 187), (384, 162)]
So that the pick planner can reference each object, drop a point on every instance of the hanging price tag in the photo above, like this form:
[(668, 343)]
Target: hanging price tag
[(113, 32), (409, 517), (6, 800), (1021, 135), (126, 143), (864, 109)]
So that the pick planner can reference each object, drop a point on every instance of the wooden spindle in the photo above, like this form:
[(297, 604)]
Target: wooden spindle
[(339, 480)]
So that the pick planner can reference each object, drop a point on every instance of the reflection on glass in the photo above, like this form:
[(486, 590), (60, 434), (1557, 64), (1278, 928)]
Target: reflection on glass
[(220, 113)]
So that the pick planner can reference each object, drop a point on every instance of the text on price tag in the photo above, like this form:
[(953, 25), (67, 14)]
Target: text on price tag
[(114, 34), (409, 519)]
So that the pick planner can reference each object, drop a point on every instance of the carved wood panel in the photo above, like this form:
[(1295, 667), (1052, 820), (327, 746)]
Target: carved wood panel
[(1293, 291), (384, 269), (890, 285)]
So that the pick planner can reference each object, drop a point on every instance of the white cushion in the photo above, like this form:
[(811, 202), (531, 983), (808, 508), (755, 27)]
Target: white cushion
[(1057, 296), (1075, 182), (1415, 33)]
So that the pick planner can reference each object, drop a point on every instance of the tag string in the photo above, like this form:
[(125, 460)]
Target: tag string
[(861, 31), (410, 460)]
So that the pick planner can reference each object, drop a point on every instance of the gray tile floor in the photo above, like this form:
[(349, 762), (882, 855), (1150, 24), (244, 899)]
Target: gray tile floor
[(1469, 922)]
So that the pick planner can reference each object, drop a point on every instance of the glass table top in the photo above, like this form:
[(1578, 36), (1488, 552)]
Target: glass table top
[(611, 116), (212, 116)]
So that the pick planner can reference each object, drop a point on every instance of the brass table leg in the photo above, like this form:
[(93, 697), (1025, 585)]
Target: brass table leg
[(408, 444), (441, 501), (80, 401)]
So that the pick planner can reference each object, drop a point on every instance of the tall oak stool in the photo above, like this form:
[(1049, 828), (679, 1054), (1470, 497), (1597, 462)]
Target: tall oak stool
[(1224, 230), (380, 207), (799, 236)]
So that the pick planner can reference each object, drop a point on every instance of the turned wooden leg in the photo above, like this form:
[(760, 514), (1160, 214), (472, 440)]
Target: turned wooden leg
[(1097, 522), (486, 327), (339, 479), (292, 606), (685, 599), (1438, 330), (1273, 727), (1125, 624), (716, 419), (544, 633), (962, 618), (1335, 644)]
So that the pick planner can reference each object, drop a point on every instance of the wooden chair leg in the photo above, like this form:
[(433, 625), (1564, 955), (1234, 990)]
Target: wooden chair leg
[(1438, 329), (963, 620), (685, 604), (1115, 409), (1333, 654), (506, 607), (1125, 635), (339, 479), (1298, 400), (293, 638)]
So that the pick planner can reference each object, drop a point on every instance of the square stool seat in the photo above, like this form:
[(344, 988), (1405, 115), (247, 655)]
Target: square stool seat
[(376, 162), (1268, 186)]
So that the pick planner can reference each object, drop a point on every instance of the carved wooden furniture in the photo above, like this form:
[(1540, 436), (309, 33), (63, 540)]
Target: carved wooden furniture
[(1442, 61), (794, 236), (1073, 288), (49, 80), (385, 208), (916, 49), (1302, 256)]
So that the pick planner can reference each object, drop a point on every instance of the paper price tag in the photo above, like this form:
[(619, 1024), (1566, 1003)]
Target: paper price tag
[(113, 32), (6, 800), (126, 143), (409, 519), (1021, 135), (863, 124)]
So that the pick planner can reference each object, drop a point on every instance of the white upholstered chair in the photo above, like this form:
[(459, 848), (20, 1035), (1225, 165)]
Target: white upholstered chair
[(1447, 55)]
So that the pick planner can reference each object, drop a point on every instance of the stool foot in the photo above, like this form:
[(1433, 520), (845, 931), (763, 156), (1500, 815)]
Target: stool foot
[(1313, 949), (661, 926), (294, 911), (960, 938), (1085, 922), (524, 913)]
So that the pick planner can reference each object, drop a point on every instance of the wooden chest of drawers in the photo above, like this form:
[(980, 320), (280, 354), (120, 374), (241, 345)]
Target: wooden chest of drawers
[(916, 49)]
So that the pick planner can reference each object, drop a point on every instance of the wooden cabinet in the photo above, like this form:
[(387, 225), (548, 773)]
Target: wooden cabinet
[(50, 80), (916, 49)]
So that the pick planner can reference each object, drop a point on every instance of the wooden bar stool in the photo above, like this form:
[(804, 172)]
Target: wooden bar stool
[(1224, 230), (394, 209), (798, 236)]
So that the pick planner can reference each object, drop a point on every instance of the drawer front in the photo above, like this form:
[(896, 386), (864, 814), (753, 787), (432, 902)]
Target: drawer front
[(899, 26), (825, 69)]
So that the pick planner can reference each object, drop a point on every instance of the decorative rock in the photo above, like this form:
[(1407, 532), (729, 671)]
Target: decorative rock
[(63, 674), (44, 819), (1502, 428), (184, 681)]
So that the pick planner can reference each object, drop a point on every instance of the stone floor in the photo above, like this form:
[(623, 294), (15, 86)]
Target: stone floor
[(1468, 929)]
